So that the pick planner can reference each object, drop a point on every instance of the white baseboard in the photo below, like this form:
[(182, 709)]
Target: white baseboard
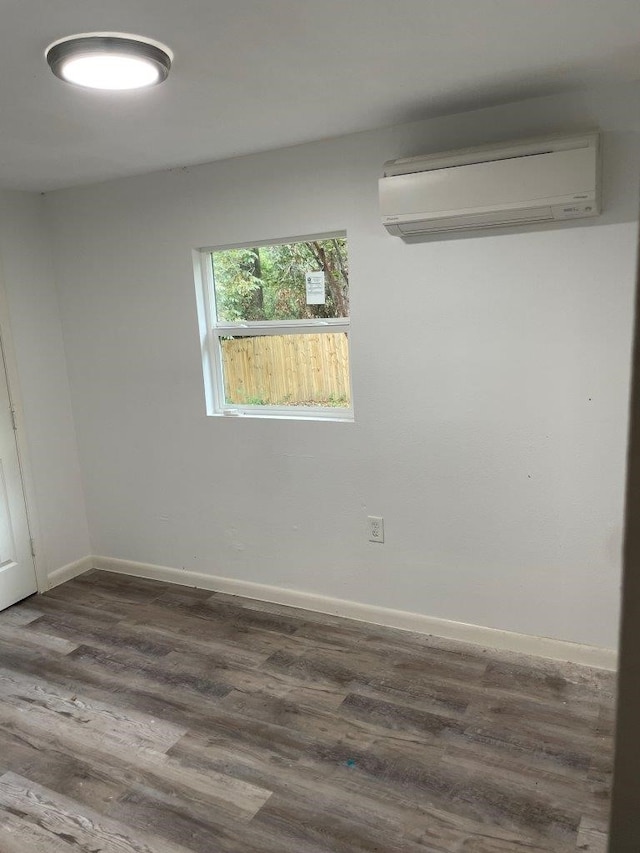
[(68, 572), (494, 638)]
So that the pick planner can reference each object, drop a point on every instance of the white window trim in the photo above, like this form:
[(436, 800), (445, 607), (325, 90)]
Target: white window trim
[(211, 330)]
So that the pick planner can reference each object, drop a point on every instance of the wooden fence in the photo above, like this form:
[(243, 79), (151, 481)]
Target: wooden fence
[(287, 369)]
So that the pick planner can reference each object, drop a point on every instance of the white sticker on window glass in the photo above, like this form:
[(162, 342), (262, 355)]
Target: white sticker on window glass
[(315, 288)]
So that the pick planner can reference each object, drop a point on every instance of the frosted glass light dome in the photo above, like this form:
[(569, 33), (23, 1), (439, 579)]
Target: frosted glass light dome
[(112, 61)]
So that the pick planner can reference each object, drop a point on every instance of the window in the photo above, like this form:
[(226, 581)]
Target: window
[(274, 323)]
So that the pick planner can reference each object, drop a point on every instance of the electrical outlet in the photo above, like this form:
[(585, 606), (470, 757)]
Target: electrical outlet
[(376, 528)]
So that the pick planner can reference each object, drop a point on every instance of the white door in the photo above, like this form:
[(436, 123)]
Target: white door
[(17, 570)]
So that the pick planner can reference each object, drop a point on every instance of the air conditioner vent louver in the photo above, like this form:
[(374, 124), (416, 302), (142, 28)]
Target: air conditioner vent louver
[(484, 220), (491, 187)]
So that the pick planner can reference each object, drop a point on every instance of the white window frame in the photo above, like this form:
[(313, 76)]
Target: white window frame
[(212, 330)]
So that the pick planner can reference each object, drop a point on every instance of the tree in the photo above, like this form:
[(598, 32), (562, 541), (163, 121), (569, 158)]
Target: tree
[(269, 283), (239, 285)]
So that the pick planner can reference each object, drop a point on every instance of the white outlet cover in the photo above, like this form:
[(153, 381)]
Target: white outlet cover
[(376, 528)]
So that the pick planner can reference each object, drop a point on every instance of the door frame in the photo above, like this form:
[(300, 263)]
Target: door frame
[(28, 490)]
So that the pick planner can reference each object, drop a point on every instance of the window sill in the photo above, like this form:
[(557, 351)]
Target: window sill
[(316, 415)]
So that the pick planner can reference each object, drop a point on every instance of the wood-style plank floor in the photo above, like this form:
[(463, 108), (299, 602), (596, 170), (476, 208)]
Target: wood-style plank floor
[(138, 717)]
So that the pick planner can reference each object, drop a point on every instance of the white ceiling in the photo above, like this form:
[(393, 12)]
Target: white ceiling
[(250, 75)]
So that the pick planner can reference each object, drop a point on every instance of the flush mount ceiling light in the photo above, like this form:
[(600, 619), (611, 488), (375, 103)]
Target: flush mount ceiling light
[(115, 61)]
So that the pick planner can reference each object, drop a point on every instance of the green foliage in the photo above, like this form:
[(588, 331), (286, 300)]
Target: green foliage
[(268, 283), (236, 284), (336, 401)]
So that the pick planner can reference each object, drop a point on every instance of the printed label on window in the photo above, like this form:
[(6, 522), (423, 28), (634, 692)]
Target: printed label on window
[(315, 288)]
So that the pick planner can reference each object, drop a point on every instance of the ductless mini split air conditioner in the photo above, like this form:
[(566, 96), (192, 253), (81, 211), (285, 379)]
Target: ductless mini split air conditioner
[(517, 183)]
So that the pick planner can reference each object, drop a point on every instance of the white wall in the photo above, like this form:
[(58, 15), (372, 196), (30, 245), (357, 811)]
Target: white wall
[(490, 380), (54, 480)]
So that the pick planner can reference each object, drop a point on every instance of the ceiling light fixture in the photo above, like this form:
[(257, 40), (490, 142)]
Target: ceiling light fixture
[(116, 61)]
